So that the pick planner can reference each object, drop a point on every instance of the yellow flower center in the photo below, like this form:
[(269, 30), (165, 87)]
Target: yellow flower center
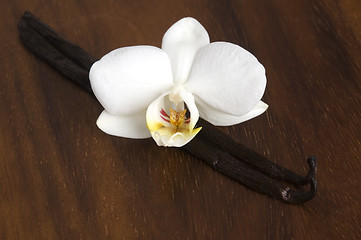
[(177, 118)]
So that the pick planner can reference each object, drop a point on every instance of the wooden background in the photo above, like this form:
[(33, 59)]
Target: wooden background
[(63, 178)]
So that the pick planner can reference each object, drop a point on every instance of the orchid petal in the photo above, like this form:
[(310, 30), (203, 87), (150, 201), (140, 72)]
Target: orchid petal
[(181, 42), (131, 126), (219, 118), (228, 78), (127, 79)]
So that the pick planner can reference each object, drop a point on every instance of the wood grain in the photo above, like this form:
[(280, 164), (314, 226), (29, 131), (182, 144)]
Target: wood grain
[(62, 178)]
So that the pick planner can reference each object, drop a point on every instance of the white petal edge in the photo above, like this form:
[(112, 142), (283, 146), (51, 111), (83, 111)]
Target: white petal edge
[(176, 140), (227, 77), (127, 80), (181, 42), (131, 126), (219, 118), (153, 117)]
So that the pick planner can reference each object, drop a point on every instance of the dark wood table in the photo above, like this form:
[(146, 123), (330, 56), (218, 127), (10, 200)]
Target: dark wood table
[(63, 178)]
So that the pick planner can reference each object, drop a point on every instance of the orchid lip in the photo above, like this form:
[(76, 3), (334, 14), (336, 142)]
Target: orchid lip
[(170, 123)]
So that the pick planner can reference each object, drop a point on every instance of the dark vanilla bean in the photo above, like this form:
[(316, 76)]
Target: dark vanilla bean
[(211, 145), (41, 40), (251, 157), (70, 50), (224, 162)]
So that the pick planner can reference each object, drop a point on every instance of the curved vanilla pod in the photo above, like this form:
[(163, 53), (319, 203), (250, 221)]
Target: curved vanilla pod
[(212, 146), (251, 157), (226, 163)]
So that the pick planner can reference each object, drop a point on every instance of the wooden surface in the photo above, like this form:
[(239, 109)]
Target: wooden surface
[(63, 178)]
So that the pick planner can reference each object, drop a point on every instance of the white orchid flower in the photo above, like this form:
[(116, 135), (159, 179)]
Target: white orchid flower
[(147, 91)]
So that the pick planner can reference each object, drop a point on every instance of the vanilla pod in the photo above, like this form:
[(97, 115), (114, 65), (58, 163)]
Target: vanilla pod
[(251, 177), (69, 59), (251, 157)]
